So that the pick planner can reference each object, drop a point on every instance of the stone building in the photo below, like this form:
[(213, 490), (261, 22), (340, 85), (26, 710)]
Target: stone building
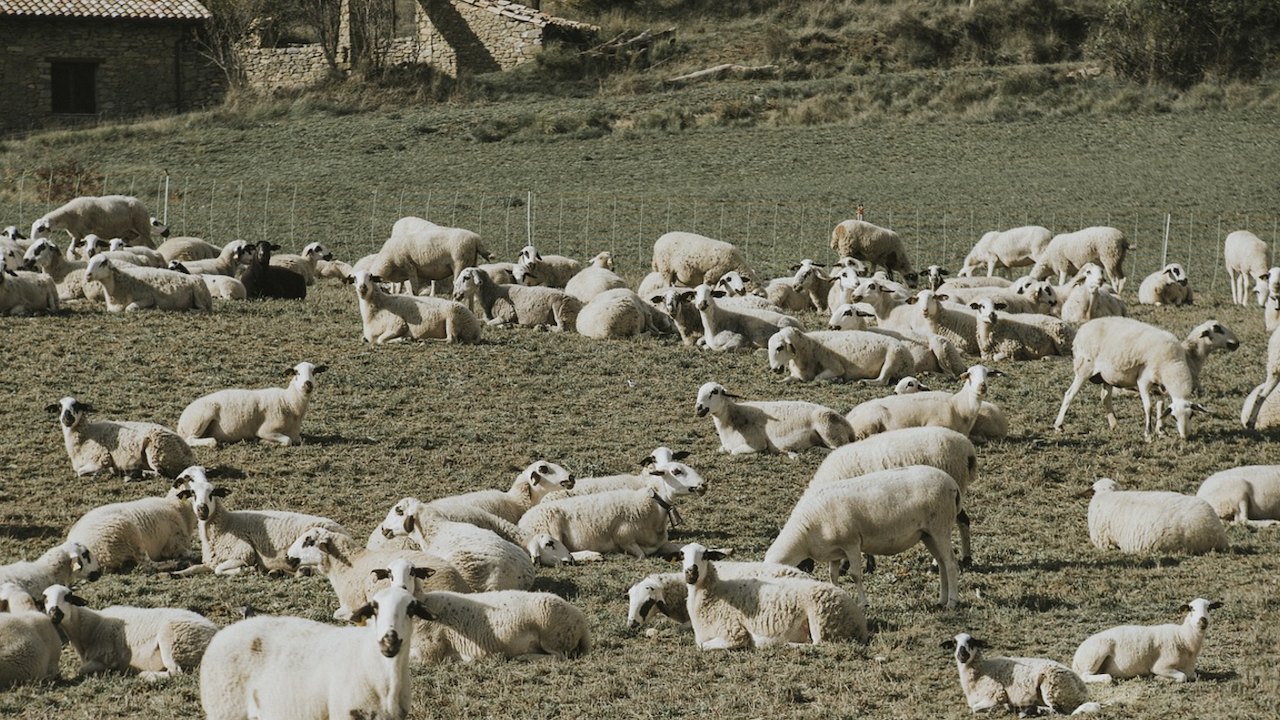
[(72, 61)]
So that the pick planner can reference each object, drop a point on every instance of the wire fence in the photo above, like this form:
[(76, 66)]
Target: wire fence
[(773, 233)]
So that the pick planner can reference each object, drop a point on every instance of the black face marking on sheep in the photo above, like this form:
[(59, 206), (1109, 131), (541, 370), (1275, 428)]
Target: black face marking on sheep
[(691, 575), (390, 644)]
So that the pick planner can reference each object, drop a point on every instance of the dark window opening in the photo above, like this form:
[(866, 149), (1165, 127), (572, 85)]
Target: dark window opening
[(74, 86)]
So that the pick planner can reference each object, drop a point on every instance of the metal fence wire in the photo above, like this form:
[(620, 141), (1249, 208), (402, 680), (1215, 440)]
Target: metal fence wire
[(774, 233)]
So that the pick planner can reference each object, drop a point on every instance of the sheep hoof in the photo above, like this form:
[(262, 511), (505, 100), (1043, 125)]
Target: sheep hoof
[(966, 563)]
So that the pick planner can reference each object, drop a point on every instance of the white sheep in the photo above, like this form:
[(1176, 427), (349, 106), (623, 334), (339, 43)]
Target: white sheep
[(1014, 302), (1127, 651), (954, 322), (1152, 521), (620, 313), (186, 248), (1167, 286), (678, 306), (812, 280), (1246, 256), (890, 306), (627, 521), (138, 288), (108, 446), (782, 426), (512, 624), (873, 244), (388, 318), (484, 559), (517, 304), (689, 260), (1087, 296), (668, 593), (661, 468), (1025, 336), (284, 667), (149, 256), (1252, 414), (597, 277), (729, 329), (27, 293), (735, 613), (68, 275), (221, 287), (235, 414), (534, 269), (110, 216), (115, 250), (1025, 684), (420, 251), (29, 644), (786, 295), (225, 263), (1245, 495), (1067, 253), (124, 534), (874, 358), (234, 541), (958, 411), (881, 513), (152, 642), (930, 353), (59, 565), (306, 263), (1018, 247), (533, 484), (1125, 353)]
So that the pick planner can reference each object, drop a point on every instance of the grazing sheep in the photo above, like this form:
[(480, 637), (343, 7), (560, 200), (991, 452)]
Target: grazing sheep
[(59, 565), (668, 593), (1246, 256), (306, 263), (930, 353), (137, 288), (839, 355), (121, 535), (233, 415), (1249, 494), (1018, 247), (483, 558), (153, 642), (221, 287), (1128, 651), (1150, 521), (689, 260), (597, 277), (288, 667), (785, 426), (233, 541), (1025, 684), (263, 280), (881, 513), (678, 306), (226, 262), (420, 251), (27, 293), (388, 318), (1167, 286), (512, 624), (875, 245), (620, 313), (1022, 336), (517, 304), (183, 249), (736, 613), (954, 322), (727, 329), (957, 411), (130, 448), (110, 216), (550, 271), (29, 644), (1067, 253)]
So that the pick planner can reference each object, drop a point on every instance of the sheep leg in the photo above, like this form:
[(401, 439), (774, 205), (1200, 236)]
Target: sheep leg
[(1173, 674), (1106, 405), (279, 437), (717, 643), (962, 522), (91, 667), (230, 567), (201, 569), (634, 550), (949, 593), (1145, 392), (1067, 397)]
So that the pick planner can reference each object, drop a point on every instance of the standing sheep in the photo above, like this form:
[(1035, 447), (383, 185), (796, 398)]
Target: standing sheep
[(130, 448), (110, 216), (233, 415), (689, 260), (875, 245), (1245, 495), (1026, 684), (388, 317), (1246, 256), (420, 251), (1132, 650), (1018, 247), (774, 427), (1149, 521), (1067, 253)]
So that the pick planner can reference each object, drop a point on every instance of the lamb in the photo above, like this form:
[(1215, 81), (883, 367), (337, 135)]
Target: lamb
[(420, 251), (629, 521), (1025, 684), (485, 560), (689, 260), (1119, 352), (388, 318), (1020, 337), (121, 535), (620, 313), (233, 415), (153, 642), (881, 513), (875, 245), (263, 280), (221, 287), (930, 353), (1167, 286), (668, 593), (138, 288), (1149, 521), (726, 329), (510, 624), (953, 322), (1018, 247), (775, 427), (517, 304), (185, 248), (958, 412), (130, 448), (1128, 651), (109, 216), (234, 541), (1246, 256), (597, 277), (28, 293), (839, 355), (59, 565), (729, 614), (283, 667), (550, 271), (1244, 495), (1067, 253), (675, 304), (305, 264), (29, 644), (226, 262), (351, 568), (68, 275)]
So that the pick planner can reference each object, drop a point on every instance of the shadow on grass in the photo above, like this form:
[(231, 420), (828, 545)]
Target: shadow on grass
[(563, 587), (1224, 676), (338, 440), (29, 532), (1100, 563)]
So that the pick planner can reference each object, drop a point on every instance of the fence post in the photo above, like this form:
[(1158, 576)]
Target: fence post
[(528, 217), (266, 209), (1164, 254)]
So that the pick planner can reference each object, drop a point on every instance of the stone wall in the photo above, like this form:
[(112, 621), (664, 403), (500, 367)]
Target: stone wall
[(270, 69), (461, 38)]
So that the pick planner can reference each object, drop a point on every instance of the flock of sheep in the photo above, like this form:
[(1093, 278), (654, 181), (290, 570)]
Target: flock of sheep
[(452, 578)]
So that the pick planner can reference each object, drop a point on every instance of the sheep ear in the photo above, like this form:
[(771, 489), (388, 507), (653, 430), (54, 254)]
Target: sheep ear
[(55, 407), (648, 462), (964, 376), (274, 247), (944, 271), (1184, 608), (320, 368), (672, 556), (943, 297), (1001, 306), (77, 600), (655, 299), (949, 643), (382, 573), (686, 295), (86, 408), (863, 313), (715, 555), (408, 523), (326, 546), (376, 278), (913, 300), (348, 279), (220, 492), (994, 373), (363, 614), (185, 495), (290, 372), (680, 455), (975, 306), (418, 610), (1215, 605), (422, 573)]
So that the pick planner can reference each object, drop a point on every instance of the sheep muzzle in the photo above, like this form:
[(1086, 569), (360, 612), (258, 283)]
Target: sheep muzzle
[(701, 410), (390, 644), (202, 511), (691, 575), (55, 615), (388, 533)]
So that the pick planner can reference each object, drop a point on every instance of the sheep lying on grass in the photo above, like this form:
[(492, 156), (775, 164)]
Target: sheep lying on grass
[(597, 277), (184, 248), (68, 275), (1167, 286), (1020, 336), (620, 313), (668, 593), (233, 415), (1149, 521), (1128, 651), (930, 353), (724, 328), (306, 263), (541, 307), (389, 317), (29, 644), (122, 535), (1025, 684), (782, 426), (627, 521), (511, 624), (957, 411), (533, 268), (59, 565), (27, 294), (482, 557), (261, 279), (130, 448), (1245, 495), (874, 358), (139, 288)]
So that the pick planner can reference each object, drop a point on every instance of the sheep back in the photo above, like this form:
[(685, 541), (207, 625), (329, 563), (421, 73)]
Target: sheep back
[(614, 521), (1244, 493), (943, 448), (510, 624), (120, 535), (1141, 521), (419, 251), (689, 259)]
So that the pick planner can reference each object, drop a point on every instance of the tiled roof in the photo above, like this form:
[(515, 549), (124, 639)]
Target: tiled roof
[(130, 9), (516, 11)]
